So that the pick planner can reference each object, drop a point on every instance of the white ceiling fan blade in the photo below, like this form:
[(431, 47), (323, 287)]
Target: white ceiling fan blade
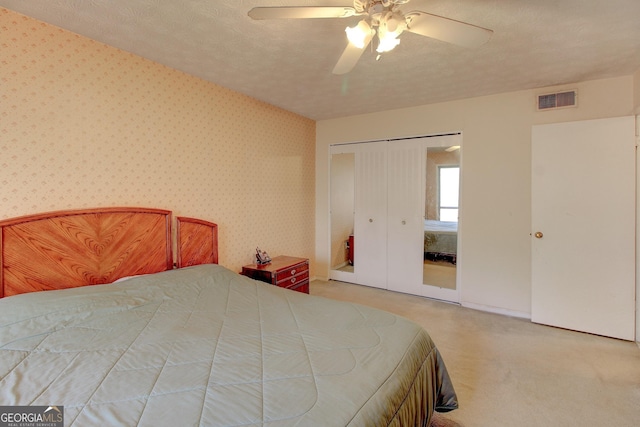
[(447, 30), (301, 12), (350, 57)]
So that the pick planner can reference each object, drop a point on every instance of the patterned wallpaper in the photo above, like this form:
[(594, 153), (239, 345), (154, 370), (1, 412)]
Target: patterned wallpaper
[(85, 125)]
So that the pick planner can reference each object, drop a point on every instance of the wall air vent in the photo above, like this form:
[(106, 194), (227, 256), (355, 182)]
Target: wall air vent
[(552, 101)]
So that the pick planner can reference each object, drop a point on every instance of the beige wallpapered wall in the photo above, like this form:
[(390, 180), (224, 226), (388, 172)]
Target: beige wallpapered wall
[(85, 125)]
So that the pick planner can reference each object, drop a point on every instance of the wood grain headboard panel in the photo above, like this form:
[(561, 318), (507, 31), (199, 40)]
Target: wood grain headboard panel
[(67, 249), (197, 242)]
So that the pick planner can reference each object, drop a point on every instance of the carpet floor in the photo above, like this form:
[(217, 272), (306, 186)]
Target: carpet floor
[(512, 372)]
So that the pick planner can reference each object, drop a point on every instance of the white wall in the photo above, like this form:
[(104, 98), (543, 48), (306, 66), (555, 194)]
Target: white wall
[(495, 267)]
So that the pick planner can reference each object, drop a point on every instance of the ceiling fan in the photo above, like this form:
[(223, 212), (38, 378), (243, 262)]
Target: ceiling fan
[(384, 19)]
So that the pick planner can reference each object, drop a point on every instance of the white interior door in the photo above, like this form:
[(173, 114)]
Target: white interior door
[(583, 207), (405, 229), (370, 219)]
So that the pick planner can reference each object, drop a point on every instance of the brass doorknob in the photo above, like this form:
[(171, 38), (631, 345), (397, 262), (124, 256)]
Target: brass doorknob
[(538, 235)]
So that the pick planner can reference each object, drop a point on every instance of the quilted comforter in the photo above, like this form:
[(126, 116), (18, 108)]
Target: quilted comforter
[(206, 346)]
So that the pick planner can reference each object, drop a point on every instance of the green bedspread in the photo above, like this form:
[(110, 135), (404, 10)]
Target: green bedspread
[(206, 346)]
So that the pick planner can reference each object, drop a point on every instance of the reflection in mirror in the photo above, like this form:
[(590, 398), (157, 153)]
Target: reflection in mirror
[(342, 199), (441, 216)]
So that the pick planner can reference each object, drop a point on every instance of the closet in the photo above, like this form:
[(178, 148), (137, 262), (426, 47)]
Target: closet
[(377, 213)]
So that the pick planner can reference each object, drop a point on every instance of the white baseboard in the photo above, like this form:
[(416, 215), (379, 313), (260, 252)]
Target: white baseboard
[(497, 310)]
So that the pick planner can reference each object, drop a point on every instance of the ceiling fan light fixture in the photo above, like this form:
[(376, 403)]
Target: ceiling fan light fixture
[(386, 42), (391, 26), (359, 34)]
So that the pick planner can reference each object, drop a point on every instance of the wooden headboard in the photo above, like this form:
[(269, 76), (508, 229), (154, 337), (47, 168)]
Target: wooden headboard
[(197, 242), (68, 249)]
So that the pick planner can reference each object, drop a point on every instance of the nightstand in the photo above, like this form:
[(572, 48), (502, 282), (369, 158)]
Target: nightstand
[(283, 271)]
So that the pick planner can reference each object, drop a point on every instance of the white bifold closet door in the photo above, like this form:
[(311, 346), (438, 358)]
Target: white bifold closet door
[(389, 214), (389, 193), (370, 217), (405, 215)]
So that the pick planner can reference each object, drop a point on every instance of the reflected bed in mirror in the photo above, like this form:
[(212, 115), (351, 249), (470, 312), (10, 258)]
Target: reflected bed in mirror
[(440, 253)]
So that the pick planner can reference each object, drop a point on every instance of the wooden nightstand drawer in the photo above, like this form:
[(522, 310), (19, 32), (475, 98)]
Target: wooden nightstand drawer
[(290, 281), (283, 271), (292, 271)]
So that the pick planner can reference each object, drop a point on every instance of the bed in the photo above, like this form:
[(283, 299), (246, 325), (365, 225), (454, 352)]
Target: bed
[(99, 319), (440, 240)]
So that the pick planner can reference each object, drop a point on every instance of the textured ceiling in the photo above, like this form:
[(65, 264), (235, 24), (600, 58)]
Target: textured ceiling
[(288, 63)]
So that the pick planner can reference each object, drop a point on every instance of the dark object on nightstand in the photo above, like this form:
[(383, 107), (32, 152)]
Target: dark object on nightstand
[(262, 257), (284, 271)]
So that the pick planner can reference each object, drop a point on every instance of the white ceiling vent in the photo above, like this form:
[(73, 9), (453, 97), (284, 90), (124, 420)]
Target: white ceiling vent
[(552, 101)]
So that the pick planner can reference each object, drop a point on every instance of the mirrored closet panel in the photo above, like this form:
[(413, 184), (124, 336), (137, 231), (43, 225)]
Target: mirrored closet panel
[(441, 215), (394, 209), (342, 200)]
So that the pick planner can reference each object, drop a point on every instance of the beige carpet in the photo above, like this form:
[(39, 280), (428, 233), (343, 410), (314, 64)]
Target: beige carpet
[(511, 372), (441, 274)]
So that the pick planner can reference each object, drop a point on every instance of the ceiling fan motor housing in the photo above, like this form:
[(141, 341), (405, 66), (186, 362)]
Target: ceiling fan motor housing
[(375, 6)]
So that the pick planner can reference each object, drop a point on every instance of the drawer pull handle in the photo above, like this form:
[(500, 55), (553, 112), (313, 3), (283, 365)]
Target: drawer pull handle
[(294, 280), (293, 272)]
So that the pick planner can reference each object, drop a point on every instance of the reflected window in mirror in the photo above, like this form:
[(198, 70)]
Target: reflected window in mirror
[(448, 192)]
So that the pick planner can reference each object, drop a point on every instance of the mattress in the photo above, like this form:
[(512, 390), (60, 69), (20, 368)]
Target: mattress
[(205, 346)]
